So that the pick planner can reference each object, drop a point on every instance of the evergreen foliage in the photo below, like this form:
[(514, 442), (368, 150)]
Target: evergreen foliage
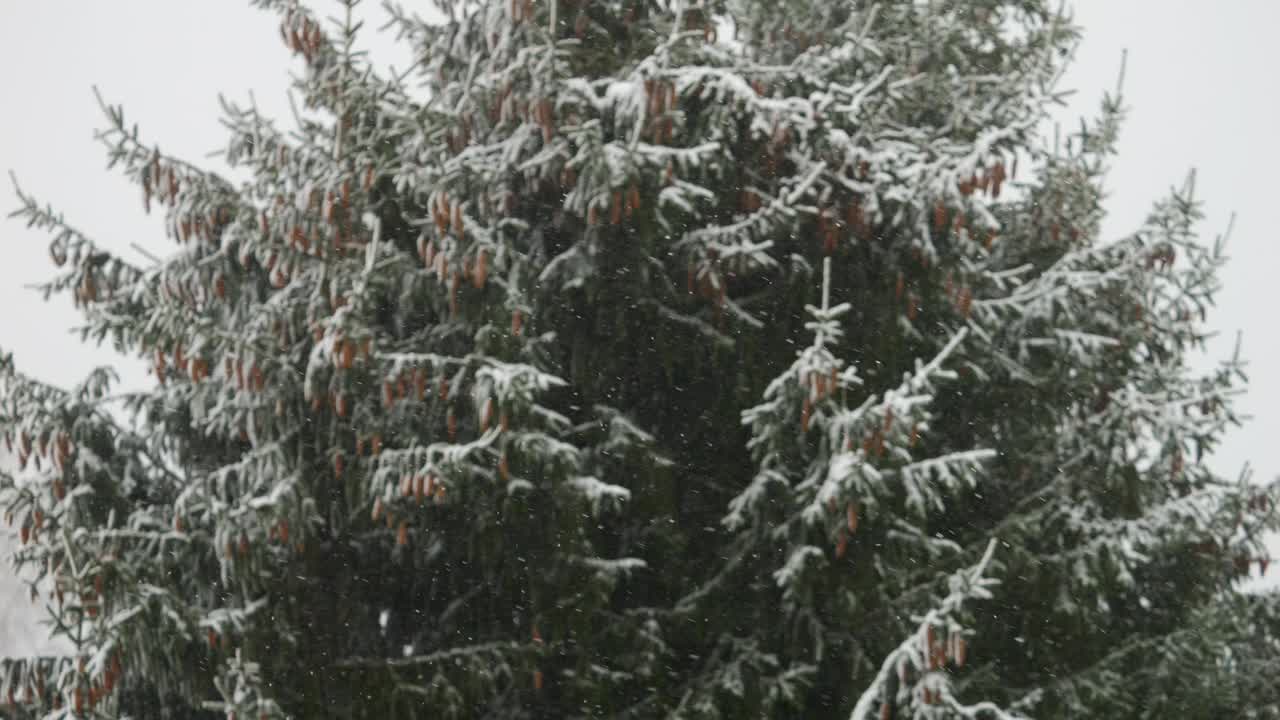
[(647, 358)]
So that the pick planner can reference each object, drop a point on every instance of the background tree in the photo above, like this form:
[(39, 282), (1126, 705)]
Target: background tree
[(652, 359)]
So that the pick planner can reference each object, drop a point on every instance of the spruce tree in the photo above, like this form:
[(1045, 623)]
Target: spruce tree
[(643, 358)]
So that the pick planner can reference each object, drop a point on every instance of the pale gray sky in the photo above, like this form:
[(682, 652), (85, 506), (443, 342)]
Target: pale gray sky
[(1200, 87)]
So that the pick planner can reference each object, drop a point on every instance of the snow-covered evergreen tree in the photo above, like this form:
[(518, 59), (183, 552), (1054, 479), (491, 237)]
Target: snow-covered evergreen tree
[(665, 358)]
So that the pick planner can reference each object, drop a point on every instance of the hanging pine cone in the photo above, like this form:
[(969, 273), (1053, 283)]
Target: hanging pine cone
[(1242, 565), (486, 416), (419, 384), (459, 223), (481, 273), (930, 647)]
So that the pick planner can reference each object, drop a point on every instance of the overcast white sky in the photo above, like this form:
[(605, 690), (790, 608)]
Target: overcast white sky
[(1200, 87)]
